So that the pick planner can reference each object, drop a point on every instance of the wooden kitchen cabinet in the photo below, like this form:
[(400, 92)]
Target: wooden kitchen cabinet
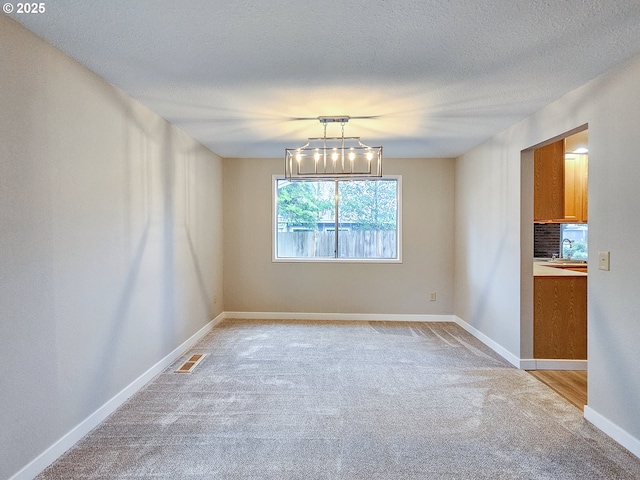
[(560, 317), (560, 185), (548, 182), (575, 189)]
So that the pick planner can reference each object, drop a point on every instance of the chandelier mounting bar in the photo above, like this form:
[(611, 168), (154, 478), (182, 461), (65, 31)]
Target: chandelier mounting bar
[(342, 119)]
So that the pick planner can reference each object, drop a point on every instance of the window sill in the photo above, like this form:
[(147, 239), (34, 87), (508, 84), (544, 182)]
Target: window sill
[(338, 260)]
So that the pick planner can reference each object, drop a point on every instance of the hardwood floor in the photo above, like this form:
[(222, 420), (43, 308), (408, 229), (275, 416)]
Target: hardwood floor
[(571, 384)]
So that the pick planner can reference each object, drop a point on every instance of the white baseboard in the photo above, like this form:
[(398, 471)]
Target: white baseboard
[(621, 436), (365, 317), (52, 453), (527, 364), (522, 363), (496, 347), (552, 364)]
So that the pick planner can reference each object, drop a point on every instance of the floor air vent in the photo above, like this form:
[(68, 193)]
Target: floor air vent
[(189, 365)]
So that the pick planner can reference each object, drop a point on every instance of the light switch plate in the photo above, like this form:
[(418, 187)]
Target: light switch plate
[(603, 261)]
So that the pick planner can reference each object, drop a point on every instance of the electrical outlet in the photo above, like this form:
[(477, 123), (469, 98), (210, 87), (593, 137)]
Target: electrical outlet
[(432, 297), (215, 299)]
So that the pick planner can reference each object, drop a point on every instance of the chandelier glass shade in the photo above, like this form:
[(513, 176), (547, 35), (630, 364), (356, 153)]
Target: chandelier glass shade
[(333, 157)]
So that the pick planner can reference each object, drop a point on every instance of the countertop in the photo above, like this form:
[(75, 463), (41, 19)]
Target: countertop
[(541, 268)]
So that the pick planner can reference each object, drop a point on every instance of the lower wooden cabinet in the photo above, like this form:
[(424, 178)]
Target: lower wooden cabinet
[(560, 317)]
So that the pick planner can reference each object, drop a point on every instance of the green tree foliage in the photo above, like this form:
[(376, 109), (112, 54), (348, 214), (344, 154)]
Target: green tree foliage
[(367, 205), (302, 204), (371, 205)]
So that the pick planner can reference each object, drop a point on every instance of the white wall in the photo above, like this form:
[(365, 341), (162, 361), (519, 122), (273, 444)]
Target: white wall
[(254, 284), (488, 238), (110, 245)]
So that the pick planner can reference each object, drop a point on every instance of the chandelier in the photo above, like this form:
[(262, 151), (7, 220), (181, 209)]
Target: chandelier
[(332, 157)]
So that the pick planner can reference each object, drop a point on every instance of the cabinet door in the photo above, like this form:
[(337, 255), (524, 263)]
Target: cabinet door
[(585, 188), (560, 318), (548, 182), (573, 189)]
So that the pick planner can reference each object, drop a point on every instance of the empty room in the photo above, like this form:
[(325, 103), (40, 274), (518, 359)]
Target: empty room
[(384, 239)]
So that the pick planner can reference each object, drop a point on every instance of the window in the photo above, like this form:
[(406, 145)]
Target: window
[(578, 235), (337, 220)]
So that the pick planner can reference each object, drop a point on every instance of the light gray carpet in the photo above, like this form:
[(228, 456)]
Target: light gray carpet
[(322, 400)]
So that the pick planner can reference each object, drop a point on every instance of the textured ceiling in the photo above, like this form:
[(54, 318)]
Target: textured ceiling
[(428, 78)]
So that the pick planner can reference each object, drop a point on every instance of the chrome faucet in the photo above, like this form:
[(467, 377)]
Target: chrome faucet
[(562, 248)]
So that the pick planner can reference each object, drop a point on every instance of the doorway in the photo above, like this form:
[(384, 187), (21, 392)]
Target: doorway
[(554, 249)]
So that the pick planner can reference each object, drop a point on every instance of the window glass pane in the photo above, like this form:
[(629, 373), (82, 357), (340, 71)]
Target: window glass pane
[(306, 219), (578, 235), (367, 219)]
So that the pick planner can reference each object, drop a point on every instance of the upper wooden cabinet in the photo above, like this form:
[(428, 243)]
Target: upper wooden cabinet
[(575, 188), (548, 182), (560, 185)]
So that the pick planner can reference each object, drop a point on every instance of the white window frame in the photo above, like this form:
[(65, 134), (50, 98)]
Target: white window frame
[(274, 230)]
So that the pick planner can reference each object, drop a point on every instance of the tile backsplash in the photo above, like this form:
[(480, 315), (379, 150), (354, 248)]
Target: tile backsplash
[(546, 239)]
